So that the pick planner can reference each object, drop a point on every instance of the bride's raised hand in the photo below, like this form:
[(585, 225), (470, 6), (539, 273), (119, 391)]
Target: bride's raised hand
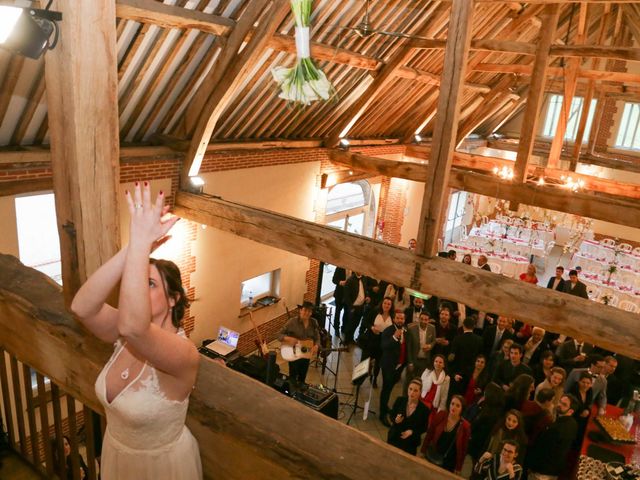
[(148, 222)]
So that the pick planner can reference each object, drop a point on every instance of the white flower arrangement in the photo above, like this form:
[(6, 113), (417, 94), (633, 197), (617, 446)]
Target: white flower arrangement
[(305, 82)]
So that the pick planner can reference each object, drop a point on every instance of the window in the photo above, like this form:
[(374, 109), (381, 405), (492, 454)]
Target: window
[(260, 286), (553, 116), (345, 196), (455, 215), (629, 132), (38, 242)]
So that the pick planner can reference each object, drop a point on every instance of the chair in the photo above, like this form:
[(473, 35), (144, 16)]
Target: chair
[(517, 222), (508, 220), (593, 292), (625, 247), (440, 246), (628, 306), (495, 267), (608, 242), (636, 251), (463, 232), (484, 220)]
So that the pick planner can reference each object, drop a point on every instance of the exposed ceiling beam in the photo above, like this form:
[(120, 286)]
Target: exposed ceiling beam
[(558, 72), (82, 99), (456, 56), (228, 74), (386, 73), (602, 325), (171, 16)]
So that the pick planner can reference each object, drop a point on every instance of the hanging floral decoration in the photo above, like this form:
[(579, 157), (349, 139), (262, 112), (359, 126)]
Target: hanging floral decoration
[(304, 82)]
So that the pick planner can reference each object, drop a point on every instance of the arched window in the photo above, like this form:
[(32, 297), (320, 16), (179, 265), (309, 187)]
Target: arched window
[(346, 196)]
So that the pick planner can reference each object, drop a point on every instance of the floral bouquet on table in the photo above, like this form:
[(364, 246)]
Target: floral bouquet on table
[(305, 82)]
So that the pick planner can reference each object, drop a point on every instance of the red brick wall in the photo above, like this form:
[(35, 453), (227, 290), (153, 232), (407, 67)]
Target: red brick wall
[(159, 169)]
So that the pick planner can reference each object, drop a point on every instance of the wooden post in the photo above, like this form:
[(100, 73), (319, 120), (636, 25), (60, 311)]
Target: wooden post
[(82, 96), (536, 94), (446, 128)]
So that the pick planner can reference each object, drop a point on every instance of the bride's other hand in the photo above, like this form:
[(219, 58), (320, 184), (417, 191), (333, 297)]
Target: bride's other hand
[(149, 224)]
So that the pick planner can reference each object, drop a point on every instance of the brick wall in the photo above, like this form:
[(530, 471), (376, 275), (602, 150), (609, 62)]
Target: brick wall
[(141, 169)]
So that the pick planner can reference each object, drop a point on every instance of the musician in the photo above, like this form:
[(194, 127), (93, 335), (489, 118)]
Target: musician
[(303, 327)]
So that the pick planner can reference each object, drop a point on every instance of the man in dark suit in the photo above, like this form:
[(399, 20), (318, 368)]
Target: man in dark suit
[(508, 371), (339, 279), (557, 282), (421, 338), (412, 313), (573, 354), (464, 350), (356, 296), (445, 333), (548, 454), (574, 286), (394, 355), (494, 335), (482, 263)]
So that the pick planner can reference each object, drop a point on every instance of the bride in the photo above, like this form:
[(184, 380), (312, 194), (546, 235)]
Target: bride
[(145, 386)]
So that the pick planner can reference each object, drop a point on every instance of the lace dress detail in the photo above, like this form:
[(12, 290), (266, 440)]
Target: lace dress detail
[(146, 436)]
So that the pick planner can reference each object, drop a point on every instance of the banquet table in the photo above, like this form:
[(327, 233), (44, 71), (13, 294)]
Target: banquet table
[(622, 291), (511, 265), (535, 230), (630, 452), (624, 275), (511, 245)]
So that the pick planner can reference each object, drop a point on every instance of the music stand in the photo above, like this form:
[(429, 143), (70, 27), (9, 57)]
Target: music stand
[(360, 373)]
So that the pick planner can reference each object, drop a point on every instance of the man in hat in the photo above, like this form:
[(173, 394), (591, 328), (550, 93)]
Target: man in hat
[(303, 327)]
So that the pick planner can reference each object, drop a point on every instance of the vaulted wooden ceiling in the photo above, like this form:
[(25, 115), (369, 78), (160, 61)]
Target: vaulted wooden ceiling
[(161, 69)]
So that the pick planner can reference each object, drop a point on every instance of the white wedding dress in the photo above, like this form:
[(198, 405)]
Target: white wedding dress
[(146, 436)]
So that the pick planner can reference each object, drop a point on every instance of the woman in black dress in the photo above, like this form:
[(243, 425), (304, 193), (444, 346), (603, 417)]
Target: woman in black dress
[(410, 417)]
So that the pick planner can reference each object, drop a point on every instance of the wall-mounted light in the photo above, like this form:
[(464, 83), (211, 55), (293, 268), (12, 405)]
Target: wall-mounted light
[(417, 138), (27, 31), (197, 184), (541, 181), (344, 143)]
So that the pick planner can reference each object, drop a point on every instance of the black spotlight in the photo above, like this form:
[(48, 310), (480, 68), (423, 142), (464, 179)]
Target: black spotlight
[(28, 31)]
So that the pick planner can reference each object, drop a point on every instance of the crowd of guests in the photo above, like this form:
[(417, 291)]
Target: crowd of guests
[(513, 399)]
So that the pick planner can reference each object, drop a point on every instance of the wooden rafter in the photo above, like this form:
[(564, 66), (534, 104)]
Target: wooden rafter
[(170, 16), (520, 69), (83, 119), (485, 291), (228, 74), (536, 91), (384, 75), (456, 55), (606, 202)]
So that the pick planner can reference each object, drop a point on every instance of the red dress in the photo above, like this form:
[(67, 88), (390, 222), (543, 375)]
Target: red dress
[(533, 281)]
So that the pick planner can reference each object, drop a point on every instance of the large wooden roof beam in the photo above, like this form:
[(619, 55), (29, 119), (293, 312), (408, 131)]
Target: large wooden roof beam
[(456, 55), (603, 325), (82, 99), (520, 69), (171, 16)]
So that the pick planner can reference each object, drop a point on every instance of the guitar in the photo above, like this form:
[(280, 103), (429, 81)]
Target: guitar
[(302, 349), (263, 348)]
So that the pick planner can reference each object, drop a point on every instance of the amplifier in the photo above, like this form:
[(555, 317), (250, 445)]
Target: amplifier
[(320, 399)]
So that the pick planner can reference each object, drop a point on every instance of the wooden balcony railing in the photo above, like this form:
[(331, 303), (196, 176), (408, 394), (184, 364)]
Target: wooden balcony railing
[(244, 428)]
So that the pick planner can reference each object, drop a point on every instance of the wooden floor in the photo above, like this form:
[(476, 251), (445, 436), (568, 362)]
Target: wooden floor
[(12, 467)]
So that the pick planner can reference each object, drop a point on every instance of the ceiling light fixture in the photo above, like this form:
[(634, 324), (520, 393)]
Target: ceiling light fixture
[(505, 173), (28, 31)]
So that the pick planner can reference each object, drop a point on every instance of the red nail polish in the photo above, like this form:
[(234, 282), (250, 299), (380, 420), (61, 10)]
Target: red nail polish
[(146, 184), (137, 184), (161, 192), (126, 192)]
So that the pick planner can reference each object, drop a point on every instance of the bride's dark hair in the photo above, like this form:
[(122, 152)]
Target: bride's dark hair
[(170, 274)]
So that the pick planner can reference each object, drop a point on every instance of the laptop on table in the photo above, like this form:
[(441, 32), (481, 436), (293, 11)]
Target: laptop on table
[(226, 342)]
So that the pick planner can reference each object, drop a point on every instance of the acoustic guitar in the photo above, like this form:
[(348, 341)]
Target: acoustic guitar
[(302, 349)]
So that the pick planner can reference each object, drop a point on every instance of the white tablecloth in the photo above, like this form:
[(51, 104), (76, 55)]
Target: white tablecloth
[(513, 246), (510, 266), (603, 289), (533, 231), (625, 275)]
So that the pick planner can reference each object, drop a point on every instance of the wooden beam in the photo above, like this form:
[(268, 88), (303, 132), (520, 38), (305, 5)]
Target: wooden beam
[(456, 55), (536, 91), (604, 203), (83, 124), (615, 53), (519, 69), (632, 21), (227, 74), (171, 16), (491, 103), (384, 75), (256, 440), (608, 327), (18, 187)]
